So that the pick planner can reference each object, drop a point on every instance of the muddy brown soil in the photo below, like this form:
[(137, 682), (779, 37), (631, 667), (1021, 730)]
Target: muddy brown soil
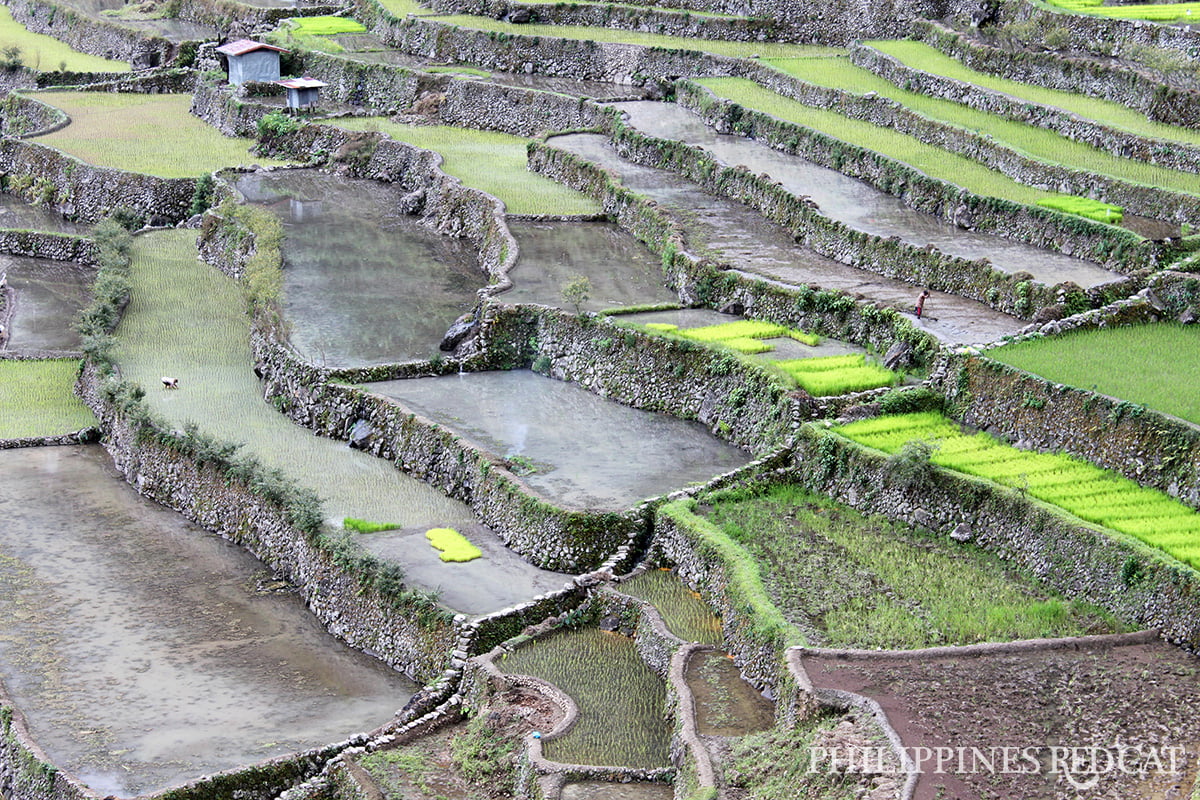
[(1093, 721)]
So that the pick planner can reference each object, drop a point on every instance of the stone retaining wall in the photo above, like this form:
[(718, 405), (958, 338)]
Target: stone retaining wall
[(1116, 141), (1101, 36), (220, 107), (1113, 247), (54, 246), (88, 193), (1138, 584), (1146, 446), (105, 39), (1052, 70), (522, 112), (384, 88), (1135, 198)]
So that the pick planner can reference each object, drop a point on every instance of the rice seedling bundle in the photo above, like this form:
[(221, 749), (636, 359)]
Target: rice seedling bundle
[(810, 339), (662, 326), (364, 526), (832, 383), (823, 364), (1091, 493), (1084, 207), (454, 546), (741, 329), (747, 346)]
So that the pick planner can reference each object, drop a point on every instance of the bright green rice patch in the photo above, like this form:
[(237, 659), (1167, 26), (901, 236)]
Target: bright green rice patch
[(1153, 12), (919, 55), (830, 376), (861, 581), (1038, 143), (454, 546), (36, 399), (582, 33), (154, 134), (810, 339), (932, 161), (746, 345), (741, 329), (1092, 494), (402, 8), (1154, 365), (454, 69), (662, 326), (1084, 207), (47, 54), (325, 26), (489, 161), (363, 526)]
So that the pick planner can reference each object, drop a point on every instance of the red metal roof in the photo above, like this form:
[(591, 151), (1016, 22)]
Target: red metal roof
[(302, 83), (243, 46)]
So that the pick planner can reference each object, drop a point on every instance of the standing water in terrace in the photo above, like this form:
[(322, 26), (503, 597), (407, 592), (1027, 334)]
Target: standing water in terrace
[(144, 652), (621, 271), (578, 449), (206, 346), (47, 297), (363, 284), (685, 613)]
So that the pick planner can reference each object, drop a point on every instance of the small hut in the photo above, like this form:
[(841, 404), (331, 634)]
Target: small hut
[(302, 92), (251, 61)]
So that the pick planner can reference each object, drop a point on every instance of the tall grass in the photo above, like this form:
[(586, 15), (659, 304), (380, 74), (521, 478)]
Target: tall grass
[(919, 55), (154, 134), (1154, 365), (36, 399), (932, 161), (1038, 143), (487, 160), (868, 582), (47, 54), (1090, 493)]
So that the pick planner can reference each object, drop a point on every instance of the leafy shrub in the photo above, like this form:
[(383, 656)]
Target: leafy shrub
[(277, 123)]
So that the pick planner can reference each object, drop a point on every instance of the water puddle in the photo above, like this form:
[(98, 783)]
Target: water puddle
[(740, 236), (206, 346), (363, 283), (725, 704), (859, 205), (687, 616), (620, 270), (622, 717), (602, 790), (145, 652), (17, 214), (47, 297), (576, 448)]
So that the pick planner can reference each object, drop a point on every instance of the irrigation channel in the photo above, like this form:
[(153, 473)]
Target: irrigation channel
[(144, 651), (741, 237)]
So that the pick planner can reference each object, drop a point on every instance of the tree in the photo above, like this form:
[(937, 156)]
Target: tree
[(576, 291)]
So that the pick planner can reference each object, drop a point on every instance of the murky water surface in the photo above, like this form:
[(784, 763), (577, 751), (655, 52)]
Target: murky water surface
[(620, 270), (206, 346), (363, 283), (601, 790), (859, 205), (585, 451), (18, 214), (175, 30), (725, 704), (46, 298), (740, 236), (145, 652)]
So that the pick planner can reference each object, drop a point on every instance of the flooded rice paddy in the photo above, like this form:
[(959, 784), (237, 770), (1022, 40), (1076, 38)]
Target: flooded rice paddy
[(685, 613), (621, 270), (584, 451), (725, 704), (601, 790), (860, 205), (740, 236), (46, 298), (146, 652), (622, 717), (206, 346), (363, 283)]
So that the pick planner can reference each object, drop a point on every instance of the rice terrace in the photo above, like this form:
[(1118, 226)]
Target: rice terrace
[(693, 399)]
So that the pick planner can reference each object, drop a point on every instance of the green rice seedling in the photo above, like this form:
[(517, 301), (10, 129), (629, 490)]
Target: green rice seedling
[(1084, 207), (154, 134), (622, 720), (363, 526), (1036, 143), (403, 8), (1146, 364), (746, 346), (686, 614), (457, 69), (45, 53), (926, 58), (822, 364), (490, 161), (810, 339), (454, 546), (37, 399), (325, 26), (662, 326), (849, 379), (741, 329)]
